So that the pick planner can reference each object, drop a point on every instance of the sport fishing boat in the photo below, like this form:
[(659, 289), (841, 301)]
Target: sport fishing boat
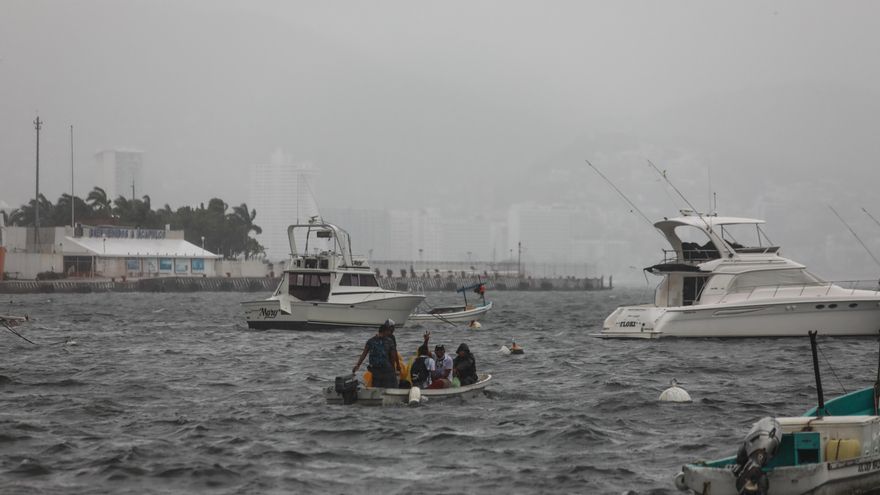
[(713, 286), (347, 390), (832, 449), (324, 286), (456, 314)]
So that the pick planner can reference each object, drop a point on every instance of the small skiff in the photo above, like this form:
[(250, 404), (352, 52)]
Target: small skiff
[(455, 314), (370, 396), (832, 449)]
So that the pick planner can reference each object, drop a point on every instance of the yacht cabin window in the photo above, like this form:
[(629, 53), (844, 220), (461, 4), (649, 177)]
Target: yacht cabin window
[(309, 286), (358, 280), (770, 278)]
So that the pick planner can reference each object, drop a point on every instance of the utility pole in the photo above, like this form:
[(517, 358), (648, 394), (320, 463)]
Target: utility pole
[(38, 124), (132, 189), (72, 202)]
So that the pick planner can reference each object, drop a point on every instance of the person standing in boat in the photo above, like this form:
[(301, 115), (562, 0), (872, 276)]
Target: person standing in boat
[(383, 358), (464, 366)]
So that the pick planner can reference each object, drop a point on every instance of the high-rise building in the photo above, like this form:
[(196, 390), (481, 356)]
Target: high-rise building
[(283, 194), (120, 172)]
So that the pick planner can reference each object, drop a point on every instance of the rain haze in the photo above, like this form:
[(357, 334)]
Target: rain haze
[(471, 111)]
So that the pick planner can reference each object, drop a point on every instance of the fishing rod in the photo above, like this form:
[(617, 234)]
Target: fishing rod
[(625, 198), (870, 216), (853, 232), (662, 174)]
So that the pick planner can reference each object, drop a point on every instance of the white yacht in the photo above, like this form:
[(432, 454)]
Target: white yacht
[(714, 286), (327, 288)]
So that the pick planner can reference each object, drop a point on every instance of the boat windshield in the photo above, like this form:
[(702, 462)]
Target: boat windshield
[(695, 244), (770, 278), (747, 238)]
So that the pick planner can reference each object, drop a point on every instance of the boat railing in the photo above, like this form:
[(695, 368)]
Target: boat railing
[(840, 287)]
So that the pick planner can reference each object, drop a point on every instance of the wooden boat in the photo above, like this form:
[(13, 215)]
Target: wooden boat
[(9, 321), (458, 313), (371, 396), (832, 449)]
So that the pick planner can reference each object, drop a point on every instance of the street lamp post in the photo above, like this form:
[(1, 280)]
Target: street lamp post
[(203, 243)]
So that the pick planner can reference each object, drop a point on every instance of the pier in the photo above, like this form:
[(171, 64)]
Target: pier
[(268, 284)]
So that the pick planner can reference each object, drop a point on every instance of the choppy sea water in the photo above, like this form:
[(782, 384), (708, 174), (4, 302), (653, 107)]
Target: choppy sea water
[(171, 393)]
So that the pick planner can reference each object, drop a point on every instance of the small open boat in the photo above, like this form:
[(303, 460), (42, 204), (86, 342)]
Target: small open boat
[(458, 313), (832, 449), (9, 321), (349, 392)]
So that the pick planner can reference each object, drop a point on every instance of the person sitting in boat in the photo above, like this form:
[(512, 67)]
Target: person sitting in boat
[(442, 375), (422, 368), (464, 366), (383, 359)]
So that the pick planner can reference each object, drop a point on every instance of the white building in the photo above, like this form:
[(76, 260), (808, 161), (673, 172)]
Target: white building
[(120, 172), (106, 252), (283, 194)]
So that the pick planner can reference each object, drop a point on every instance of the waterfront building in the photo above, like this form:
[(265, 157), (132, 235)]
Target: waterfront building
[(106, 252)]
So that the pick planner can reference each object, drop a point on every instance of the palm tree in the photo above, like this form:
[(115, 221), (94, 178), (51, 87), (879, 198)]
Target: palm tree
[(99, 202), (244, 219)]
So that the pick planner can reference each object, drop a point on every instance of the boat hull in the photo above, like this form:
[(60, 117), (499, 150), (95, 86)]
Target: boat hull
[(312, 315), (389, 397), (462, 316), (861, 475), (837, 316)]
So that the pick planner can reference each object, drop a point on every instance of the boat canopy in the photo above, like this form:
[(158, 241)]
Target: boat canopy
[(716, 237), (330, 239)]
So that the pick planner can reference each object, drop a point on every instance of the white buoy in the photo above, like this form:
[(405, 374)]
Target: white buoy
[(675, 394), (504, 350), (475, 324), (415, 396)]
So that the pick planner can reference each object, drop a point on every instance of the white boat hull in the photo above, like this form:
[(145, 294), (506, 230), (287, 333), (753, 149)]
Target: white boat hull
[(861, 475), (839, 316), (393, 396), (463, 316), (345, 311)]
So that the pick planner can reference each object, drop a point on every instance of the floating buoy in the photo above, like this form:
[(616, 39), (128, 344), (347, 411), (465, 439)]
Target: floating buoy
[(504, 350), (675, 394), (415, 396), (474, 324), (516, 349)]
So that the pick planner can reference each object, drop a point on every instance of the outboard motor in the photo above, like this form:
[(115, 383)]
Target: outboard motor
[(347, 387), (759, 447)]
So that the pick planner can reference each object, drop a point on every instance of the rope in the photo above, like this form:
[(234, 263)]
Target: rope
[(832, 371)]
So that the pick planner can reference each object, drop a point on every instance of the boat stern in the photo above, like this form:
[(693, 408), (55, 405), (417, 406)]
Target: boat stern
[(632, 322)]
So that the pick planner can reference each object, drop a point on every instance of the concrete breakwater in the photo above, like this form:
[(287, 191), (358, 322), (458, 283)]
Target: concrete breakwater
[(268, 284)]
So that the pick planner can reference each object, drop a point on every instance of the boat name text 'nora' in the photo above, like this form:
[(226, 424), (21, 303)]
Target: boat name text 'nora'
[(268, 313)]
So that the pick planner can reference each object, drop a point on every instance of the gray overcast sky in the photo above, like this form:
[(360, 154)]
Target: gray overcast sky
[(410, 104)]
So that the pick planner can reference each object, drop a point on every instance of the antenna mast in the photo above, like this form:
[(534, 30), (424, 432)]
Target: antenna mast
[(38, 124), (72, 202)]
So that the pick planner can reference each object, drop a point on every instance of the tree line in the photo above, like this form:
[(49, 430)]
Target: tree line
[(226, 232)]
